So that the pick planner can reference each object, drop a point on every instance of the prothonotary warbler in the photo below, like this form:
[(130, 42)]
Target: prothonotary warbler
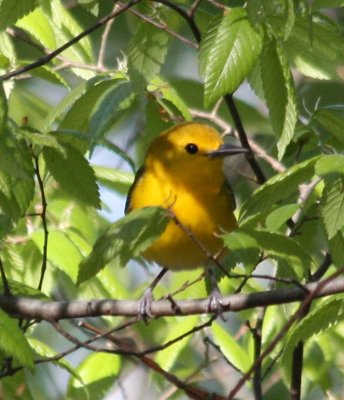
[(183, 172)]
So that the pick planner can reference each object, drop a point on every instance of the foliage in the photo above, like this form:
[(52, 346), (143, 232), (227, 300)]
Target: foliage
[(74, 126)]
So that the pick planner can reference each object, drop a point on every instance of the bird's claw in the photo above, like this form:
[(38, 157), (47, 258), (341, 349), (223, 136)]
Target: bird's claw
[(145, 305), (214, 303)]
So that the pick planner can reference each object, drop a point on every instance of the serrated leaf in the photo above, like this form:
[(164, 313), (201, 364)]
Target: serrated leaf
[(315, 48), (68, 101), (81, 107), (331, 164), (20, 289), (332, 206), (42, 139), (147, 52), (118, 151), (11, 11), (237, 355), (229, 49), (110, 107), (44, 351), (37, 24), (166, 91), (46, 73), (66, 27), (336, 244), (13, 342), (97, 372), (62, 252), (279, 93), (123, 240), (284, 249), (166, 358), (321, 318), (74, 174), (16, 177), (244, 250), (331, 120), (277, 189), (280, 216), (277, 15), (113, 178)]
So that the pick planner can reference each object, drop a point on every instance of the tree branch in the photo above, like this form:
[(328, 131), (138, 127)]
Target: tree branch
[(48, 57), (31, 308)]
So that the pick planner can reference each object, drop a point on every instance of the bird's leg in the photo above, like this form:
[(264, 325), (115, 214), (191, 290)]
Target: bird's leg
[(145, 303), (214, 301)]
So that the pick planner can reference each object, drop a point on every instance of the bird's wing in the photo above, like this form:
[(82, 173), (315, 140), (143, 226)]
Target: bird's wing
[(138, 176)]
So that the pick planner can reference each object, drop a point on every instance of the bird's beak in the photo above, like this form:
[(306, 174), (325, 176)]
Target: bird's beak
[(227, 150)]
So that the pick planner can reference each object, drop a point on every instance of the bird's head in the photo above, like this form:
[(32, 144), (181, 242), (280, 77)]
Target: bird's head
[(190, 151)]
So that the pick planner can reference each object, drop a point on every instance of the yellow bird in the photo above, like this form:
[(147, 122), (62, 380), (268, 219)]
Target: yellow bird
[(183, 172)]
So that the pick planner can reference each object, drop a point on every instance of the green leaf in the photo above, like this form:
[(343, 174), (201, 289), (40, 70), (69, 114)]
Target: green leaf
[(283, 249), (278, 189), (166, 358), (279, 93), (110, 107), (44, 351), (229, 49), (332, 206), (316, 48), (42, 139), (321, 318), (318, 4), (147, 52), (74, 174), (97, 372), (38, 25), (118, 151), (16, 176), (235, 354), (13, 342), (113, 178), (331, 164), (280, 216), (336, 244), (331, 120), (123, 240), (3, 108), (62, 252), (46, 73), (164, 91), (67, 105), (11, 11), (66, 28), (244, 250), (278, 16)]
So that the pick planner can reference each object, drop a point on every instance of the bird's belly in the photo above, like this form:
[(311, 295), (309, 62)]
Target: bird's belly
[(187, 243)]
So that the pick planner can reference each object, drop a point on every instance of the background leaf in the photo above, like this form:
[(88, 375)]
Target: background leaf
[(229, 49)]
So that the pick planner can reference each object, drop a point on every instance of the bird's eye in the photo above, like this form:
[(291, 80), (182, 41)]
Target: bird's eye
[(191, 148)]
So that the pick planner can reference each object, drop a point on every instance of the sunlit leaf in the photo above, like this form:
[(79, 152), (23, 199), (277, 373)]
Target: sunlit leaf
[(229, 49), (123, 240)]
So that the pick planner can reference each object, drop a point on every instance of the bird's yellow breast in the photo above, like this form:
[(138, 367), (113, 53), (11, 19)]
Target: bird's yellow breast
[(204, 209)]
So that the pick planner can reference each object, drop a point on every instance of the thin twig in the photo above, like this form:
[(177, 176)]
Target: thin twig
[(43, 216), (299, 312), (48, 57), (163, 27), (104, 40)]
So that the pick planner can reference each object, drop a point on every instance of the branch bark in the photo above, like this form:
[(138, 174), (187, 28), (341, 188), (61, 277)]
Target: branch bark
[(25, 307)]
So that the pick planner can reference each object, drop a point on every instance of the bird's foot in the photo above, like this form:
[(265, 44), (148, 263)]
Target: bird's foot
[(145, 305), (214, 303)]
